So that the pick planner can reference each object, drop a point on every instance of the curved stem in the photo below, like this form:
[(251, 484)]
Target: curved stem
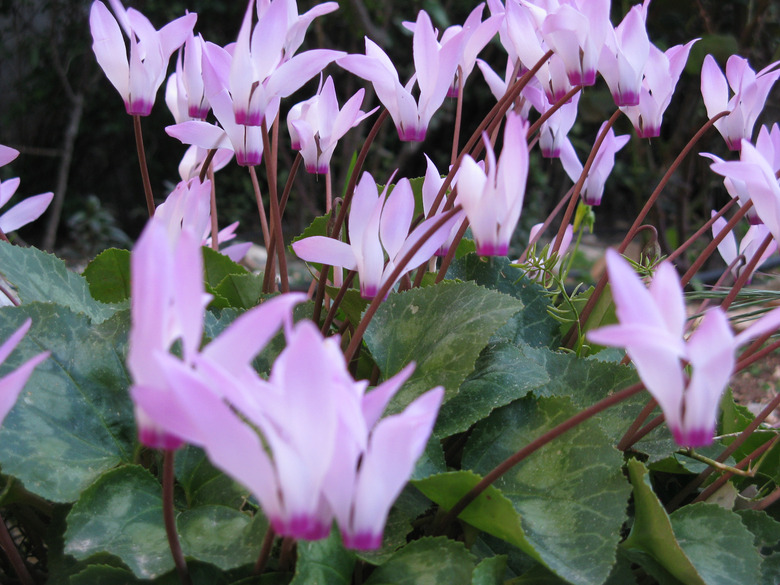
[(265, 551), (533, 446), (270, 146), (384, 290), (16, 560), (569, 213), (170, 518), (139, 146), (458, 116), (746, 273), (627, 440), (557, 106), (447, 260), (337, 301)]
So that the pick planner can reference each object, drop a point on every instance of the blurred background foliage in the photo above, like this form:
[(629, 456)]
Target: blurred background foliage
[(60, 111)]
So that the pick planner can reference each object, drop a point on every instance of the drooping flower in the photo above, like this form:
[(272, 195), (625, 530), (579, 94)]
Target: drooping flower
[(138, 80), (12, 383), (185, 93), (593, 188), (317, 125), (686, 377), (747, 248), (308, 442), (624, 55), (662, 71), (493, 198), (378, 226), (750, 92), (262, 71), (553, 132), (435, 67)]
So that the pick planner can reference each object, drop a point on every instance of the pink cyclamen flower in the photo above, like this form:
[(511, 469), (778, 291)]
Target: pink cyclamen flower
[(493, 198), (651, 329), (593, 188), (245, 141), (317, 125), (261, 72), (138, 80), (754, 174), (554, 130), (435, 67), (750, 92), (308, 442), (25, 211), (13, 382), (747, 248), (662, 71), (576, 31), (185, 93), (378, 226), (624, 55)]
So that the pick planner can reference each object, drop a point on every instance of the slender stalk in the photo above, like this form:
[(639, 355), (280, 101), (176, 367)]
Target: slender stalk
[(745, 275), (337, 301), (458, 116), (384, 290), (769, 500), (290, 180), (214, 222), (575, 194), (170, 518), (265, 551), (721, 481), (447, 260), (557, 106), (263, 218), (626, 441), (533, 446), (701, 231), (204, 169), (139, 146), (546, 223), (601, 285), (273, 197), (9, 547)]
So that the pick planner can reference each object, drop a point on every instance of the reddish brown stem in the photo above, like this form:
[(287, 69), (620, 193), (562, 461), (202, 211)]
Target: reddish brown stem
[(170, 519), (139, 146)]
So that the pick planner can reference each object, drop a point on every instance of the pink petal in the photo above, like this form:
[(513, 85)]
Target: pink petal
[(24, 212)]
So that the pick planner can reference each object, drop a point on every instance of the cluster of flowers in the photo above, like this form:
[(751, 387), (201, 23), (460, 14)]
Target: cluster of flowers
[(323, 454)]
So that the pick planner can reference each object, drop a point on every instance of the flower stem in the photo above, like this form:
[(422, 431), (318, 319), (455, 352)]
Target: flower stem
[(533, 446), (9, 547), (458, 116), (139, 146), (746, 273), (384, 290), (273, 196), (263, 218), (170, 518), (265, 551), (575, 193), (546, 115), (627, 439), (214, 222), (602, 283)]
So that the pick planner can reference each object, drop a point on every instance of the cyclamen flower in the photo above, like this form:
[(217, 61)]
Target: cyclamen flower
[(493, 198), (593, 188), (12, 383), (324, 451), (435, 67), (750, 92), (25, 211), (651, 328), (748, 247), (317, 124), (554, 130), (138, 80), (261, 72), (662, 71), (185, 93), (378, 226), (623, 58)]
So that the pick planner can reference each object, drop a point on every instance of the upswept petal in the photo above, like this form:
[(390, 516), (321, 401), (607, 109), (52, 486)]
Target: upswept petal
[(7, 154), (25, 212)]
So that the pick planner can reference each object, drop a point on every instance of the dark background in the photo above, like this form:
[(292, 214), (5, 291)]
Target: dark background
[(47, 69)]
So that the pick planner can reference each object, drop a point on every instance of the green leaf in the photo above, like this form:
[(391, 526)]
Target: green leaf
[(242, 291), (570, 494), (717, 543), (104, 575), (431, 461), (324, 562), (491, 512), (766, 538), (442, 328), (221, 536), (533, 325), (38, 276), (108, 276), (424, 561), (203, 483), (490, 571), (121, 513), (74, 419), (217, 266)]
